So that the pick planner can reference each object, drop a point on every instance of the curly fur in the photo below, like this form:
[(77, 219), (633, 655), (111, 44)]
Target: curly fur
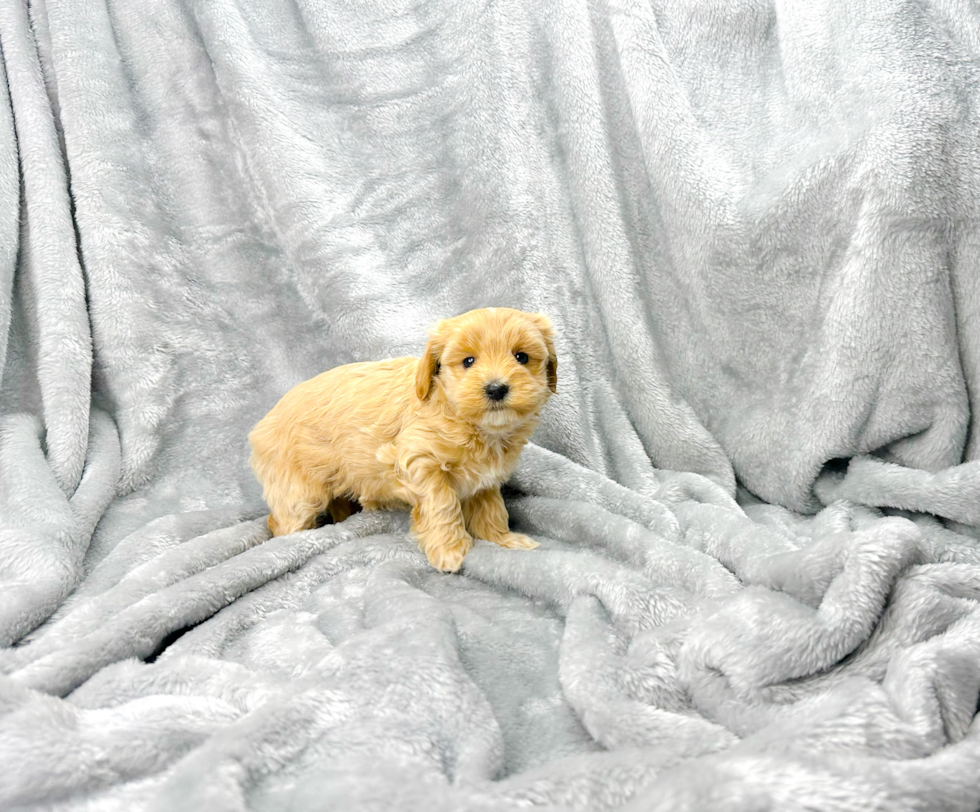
[(416, 433)]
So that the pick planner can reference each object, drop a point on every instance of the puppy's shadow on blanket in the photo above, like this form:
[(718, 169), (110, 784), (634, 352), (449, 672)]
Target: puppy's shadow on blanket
[(339, 510)]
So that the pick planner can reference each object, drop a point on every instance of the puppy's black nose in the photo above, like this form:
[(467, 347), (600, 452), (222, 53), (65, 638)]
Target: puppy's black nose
[(496, 391)]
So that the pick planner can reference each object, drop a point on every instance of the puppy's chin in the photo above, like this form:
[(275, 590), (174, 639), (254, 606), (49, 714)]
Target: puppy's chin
[(500, 419)]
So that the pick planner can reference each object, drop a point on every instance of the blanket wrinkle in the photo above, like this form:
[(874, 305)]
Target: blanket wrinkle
[(49, 288), (756, 227), (800, 639), (45, 532)]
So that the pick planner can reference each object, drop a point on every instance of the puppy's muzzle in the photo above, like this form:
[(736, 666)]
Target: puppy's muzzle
[(496, 391)]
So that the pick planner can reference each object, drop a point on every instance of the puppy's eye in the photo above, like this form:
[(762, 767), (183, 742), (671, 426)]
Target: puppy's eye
[(469, 361), (521, 357)]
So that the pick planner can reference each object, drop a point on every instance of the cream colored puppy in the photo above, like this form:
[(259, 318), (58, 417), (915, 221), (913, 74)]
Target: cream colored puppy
[(437, 434)]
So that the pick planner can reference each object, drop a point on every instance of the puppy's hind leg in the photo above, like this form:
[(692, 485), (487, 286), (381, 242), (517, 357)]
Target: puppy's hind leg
[(486, 518), (295, 506)]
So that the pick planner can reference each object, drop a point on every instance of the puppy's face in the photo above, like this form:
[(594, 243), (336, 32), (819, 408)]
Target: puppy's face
[(494, 367)]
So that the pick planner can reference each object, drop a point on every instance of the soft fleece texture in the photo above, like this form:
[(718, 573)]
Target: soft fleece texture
[(756, 227)]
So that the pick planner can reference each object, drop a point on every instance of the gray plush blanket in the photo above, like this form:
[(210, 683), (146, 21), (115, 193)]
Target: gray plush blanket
[(756, 225)]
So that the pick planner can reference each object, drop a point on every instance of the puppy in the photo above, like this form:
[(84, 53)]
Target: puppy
[(437, 434)]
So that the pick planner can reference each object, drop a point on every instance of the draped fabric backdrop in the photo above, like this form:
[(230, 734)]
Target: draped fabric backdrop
[(756, 226)]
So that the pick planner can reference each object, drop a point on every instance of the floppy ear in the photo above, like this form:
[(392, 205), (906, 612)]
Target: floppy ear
[(548, 334), (429, 362)]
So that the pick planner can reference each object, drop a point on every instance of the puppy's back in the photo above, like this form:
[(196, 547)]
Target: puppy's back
[(347, 411)]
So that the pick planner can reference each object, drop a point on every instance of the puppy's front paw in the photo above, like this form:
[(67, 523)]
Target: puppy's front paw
[(448, 556), (516, 541)]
